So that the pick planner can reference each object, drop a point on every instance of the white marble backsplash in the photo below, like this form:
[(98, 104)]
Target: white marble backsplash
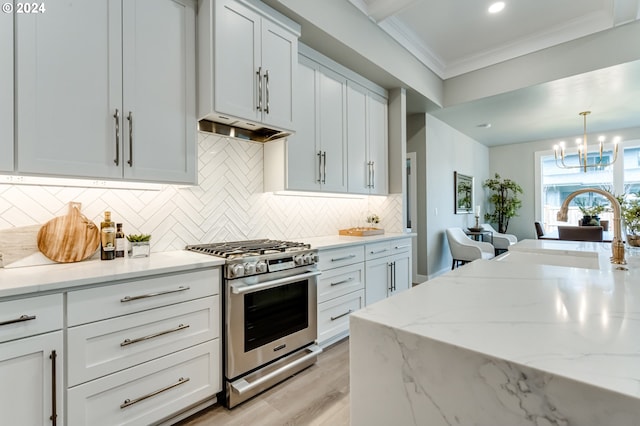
[(228, 204)]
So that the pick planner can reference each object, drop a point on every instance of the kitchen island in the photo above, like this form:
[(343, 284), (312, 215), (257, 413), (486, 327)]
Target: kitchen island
[(505, 342)]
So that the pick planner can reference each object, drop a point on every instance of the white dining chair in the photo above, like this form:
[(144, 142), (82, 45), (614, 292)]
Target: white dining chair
[(464, 249), (501, 242)]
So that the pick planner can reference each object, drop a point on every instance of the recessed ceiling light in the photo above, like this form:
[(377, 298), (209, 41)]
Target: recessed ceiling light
[(496, 7), (484, 125)]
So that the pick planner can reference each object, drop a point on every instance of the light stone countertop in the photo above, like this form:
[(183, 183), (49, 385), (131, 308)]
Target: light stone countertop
[(335, 241), (45, 278), (507, 337)]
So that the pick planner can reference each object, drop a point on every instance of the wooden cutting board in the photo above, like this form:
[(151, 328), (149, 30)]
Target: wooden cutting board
[(20, 243), (69, 238)]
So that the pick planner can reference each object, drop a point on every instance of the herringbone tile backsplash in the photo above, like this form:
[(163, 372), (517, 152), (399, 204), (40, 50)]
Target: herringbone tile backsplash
[(228, 204)]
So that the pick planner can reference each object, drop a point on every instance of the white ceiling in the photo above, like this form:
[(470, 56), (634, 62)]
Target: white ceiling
[(453, 37)]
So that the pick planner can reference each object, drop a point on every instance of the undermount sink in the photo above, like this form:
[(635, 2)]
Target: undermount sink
[(588, 260)]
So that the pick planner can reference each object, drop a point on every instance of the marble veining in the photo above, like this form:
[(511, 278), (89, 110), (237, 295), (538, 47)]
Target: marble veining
[(499, 343)]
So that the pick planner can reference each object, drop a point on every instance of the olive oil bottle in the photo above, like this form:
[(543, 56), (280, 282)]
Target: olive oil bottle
[(107, 238), (120, 241)]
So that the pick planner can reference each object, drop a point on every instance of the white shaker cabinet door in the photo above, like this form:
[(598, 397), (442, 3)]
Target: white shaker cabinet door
[(333, 132), (6, 92), (303, 171), (159, 90), (377, 154), (358, 167), (236, 60), (69, 64), (279, 57), (28, 375)]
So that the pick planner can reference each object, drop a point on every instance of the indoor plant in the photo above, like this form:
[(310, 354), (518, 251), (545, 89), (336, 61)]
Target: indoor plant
[(590, 213), (631, 217), (139, 245), (504, 199)]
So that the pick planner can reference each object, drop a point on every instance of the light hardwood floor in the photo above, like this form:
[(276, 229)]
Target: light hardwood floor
[(317, 396)]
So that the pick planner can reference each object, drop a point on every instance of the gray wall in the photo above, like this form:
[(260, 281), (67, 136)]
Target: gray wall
[(441, 150)]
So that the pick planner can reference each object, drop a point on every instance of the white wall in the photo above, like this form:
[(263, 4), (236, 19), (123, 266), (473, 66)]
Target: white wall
[(442, 150), (228, 204)]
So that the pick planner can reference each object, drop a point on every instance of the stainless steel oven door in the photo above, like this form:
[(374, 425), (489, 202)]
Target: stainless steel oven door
[(268, 316)]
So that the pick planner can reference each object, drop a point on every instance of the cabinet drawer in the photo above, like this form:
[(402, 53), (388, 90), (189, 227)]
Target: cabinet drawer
[(333, 316), (333, 258), (149, 392), (400, 246), (28, 317), (110, 301), (340, 281), (103, 347), (376, 250)]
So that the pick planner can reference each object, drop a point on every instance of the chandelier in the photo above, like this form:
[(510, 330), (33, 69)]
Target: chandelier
[(559, 151)]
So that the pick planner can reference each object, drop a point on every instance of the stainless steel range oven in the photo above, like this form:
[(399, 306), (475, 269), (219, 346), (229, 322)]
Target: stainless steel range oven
[(269, 311)]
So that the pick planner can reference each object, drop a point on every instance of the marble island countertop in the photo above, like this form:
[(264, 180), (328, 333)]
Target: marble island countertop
[(505, 342)]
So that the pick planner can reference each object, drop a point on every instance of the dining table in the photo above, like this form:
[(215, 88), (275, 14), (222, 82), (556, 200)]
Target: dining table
[(607, 236)]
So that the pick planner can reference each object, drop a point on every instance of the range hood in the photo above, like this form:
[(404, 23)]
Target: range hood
[(241, 130)]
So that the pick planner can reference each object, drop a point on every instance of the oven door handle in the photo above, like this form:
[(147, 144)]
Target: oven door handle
[(241, 288)]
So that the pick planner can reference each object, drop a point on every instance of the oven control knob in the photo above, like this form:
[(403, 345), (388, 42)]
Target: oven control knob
[(299, 259), (308, 258), (261, 266), (249, 268), (236, 270)]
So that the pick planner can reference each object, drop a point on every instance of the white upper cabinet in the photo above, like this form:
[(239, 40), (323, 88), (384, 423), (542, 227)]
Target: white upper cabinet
[(159, 90), (366, 141), (314, 159), (340, 143), (107, 91), (247, 58), (332, 148), (6, 92)]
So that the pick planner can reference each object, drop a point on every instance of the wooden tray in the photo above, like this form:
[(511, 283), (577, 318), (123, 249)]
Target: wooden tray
[(361, 232)]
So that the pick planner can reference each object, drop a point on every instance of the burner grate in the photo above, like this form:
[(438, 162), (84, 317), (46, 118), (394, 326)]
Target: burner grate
[(232, 249)]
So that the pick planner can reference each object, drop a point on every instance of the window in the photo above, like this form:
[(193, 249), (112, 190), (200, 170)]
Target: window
[(557, 183)]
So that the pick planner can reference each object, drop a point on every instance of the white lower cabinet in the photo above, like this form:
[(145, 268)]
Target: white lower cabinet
[(149, 392), (31, 361), (340, 290), (142, 351), (388, 269)]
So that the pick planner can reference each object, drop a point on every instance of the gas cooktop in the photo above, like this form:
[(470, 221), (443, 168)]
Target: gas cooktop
[(248, 248)]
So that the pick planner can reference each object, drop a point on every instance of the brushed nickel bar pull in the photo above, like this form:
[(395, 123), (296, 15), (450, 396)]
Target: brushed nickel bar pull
[(373, 175), (128, 342), (146, 296), (393, 277), (319, 167), (130, 402), (342, 282), (404, 246), (266, 89), (369, 175), (324, 167), (130, 118), (337, 259), (390, 265), (54, 409), (341, 315), (379, 251), (259, 76), (22, 318), (117, 117)]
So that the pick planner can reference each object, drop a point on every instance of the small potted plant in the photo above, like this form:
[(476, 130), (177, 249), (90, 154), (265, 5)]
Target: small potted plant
[(139, 245), (373, 220), (631, 217), (590, 213)]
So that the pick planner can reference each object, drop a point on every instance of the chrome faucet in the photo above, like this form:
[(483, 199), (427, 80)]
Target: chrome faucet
[(617, 246)]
